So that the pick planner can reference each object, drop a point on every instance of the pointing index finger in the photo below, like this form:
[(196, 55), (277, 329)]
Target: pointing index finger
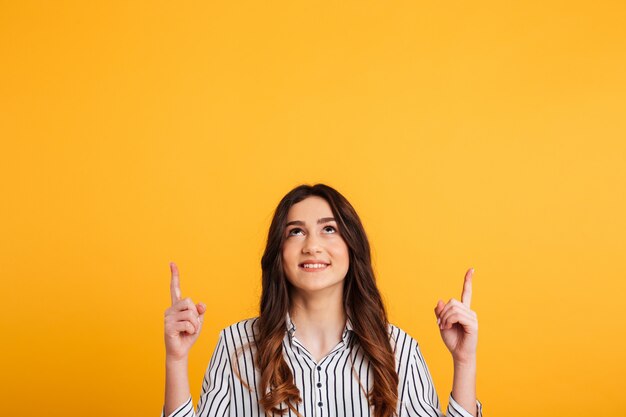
[(174, 283), (466, 296)]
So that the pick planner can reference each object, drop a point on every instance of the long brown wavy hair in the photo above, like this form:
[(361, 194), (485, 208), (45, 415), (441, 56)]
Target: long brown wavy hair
[(362, 303)]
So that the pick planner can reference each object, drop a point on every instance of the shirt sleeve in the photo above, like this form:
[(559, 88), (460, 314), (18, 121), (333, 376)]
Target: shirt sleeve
[(422, 399), (215, 393)]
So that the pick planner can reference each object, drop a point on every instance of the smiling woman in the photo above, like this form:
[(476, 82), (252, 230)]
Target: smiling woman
[(315, 256), (322, 344)]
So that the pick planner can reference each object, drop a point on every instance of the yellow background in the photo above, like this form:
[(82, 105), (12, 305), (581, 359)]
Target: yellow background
[(490, 135)]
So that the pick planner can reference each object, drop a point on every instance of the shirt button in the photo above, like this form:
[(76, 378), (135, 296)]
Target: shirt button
[(319, 384), (320, 403), (319, 368)]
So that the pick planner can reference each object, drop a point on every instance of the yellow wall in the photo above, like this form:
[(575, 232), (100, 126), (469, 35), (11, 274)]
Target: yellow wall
[(490, 135)]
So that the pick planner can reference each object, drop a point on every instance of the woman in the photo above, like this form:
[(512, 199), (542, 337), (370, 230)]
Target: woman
[(322, 345)]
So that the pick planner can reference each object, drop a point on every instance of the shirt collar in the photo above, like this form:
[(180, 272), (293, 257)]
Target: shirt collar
[(291, 328)]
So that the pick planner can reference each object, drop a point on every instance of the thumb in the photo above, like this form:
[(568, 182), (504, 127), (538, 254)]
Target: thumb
[(439, 307), (201, 310)]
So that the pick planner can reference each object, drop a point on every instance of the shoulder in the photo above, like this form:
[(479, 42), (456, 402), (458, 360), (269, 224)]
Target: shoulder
[(241, 332), (398, 336), (403, 344)]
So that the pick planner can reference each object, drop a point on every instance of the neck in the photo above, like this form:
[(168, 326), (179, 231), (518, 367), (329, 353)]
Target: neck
[(319, 315)]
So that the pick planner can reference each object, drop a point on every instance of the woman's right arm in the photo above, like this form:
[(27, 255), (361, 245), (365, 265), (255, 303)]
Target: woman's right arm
[(176, 386), (183, 322)]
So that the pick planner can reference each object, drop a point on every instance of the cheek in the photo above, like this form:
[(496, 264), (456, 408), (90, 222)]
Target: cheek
[(287, 264), (341, 253), (289, 255)]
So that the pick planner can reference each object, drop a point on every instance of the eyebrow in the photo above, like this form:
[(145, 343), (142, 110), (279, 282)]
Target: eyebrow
[(319, 221)]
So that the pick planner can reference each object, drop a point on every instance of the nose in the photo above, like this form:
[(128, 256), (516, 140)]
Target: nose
[(311, 245)]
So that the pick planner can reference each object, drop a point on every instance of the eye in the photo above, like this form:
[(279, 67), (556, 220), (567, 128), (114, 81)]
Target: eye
[(293, 231), (332, 228)]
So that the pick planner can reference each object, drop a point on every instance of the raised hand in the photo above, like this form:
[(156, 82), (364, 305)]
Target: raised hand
[(183, 321), (458, 324)]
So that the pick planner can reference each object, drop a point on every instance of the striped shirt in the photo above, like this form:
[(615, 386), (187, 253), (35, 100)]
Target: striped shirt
[(328, 388)]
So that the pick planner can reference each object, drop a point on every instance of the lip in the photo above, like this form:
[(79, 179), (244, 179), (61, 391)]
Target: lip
[(313, 261)]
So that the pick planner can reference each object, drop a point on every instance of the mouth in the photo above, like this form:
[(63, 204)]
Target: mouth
[(314, 267)]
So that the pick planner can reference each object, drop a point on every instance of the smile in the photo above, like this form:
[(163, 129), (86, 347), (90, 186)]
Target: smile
[(313, 267)]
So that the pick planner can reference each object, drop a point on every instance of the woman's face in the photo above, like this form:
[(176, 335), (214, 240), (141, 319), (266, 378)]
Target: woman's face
[(315, 256)]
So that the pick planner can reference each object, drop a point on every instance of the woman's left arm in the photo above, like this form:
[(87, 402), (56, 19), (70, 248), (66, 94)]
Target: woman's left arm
[(458, 325)]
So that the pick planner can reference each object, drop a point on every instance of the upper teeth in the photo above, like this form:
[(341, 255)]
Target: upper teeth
[(314, 265)]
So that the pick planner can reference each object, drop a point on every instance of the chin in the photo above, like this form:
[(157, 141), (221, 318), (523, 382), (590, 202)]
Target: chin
[(308, 286)]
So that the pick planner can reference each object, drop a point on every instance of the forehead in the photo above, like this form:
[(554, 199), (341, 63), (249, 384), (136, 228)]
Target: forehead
[(310, 209)]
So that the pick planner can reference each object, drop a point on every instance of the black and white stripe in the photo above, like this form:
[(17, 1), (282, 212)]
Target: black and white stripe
[(329, 388)]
